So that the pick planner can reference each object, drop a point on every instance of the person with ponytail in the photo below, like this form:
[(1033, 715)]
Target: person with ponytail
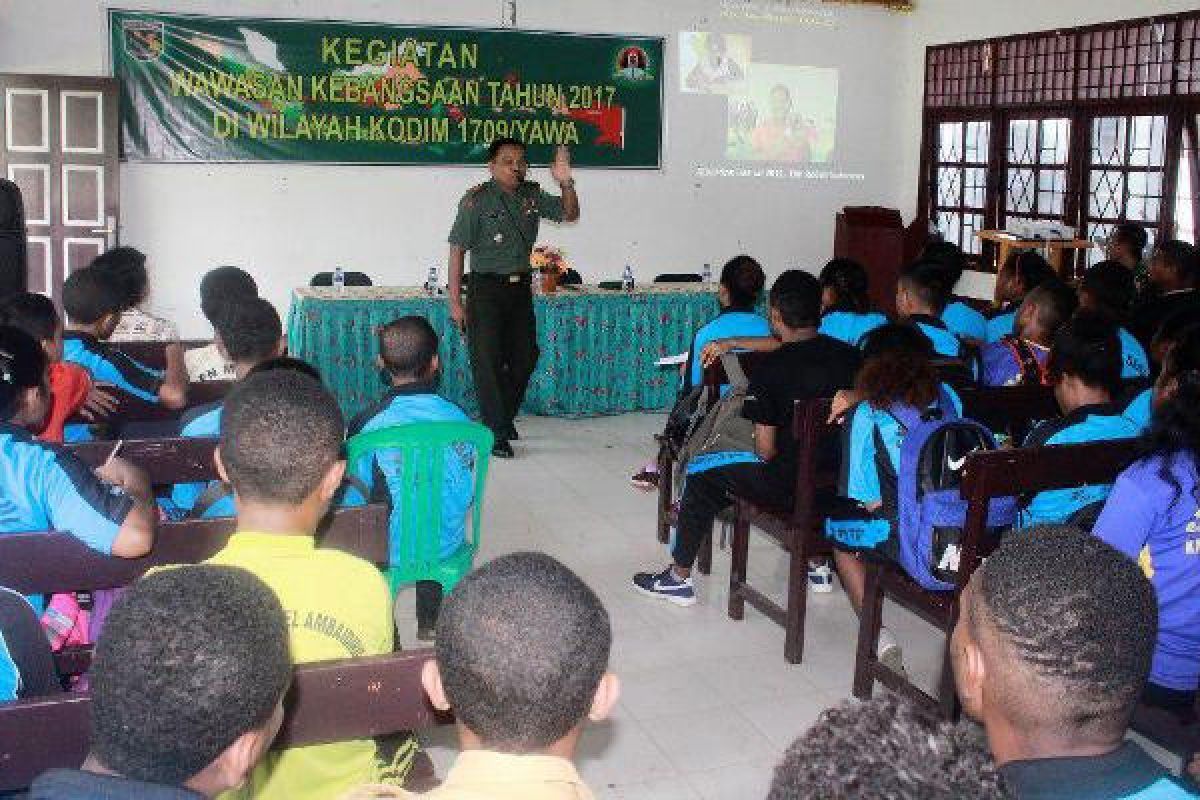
[(1153, 516), (846, 312)]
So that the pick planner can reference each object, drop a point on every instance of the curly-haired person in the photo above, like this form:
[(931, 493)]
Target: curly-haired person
[(1051, 653), (886, 749)]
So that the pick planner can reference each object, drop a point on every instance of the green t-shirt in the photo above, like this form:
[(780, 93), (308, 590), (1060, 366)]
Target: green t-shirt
[(499, 228)]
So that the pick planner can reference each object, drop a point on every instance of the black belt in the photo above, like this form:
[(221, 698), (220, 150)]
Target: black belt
[(496, 277)]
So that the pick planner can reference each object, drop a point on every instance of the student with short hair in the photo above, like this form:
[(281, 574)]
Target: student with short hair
[(249, 333), (1051, 652), (1127, 245), (220, 288), (886, 748), (408, 353), (1085, 370), (1172, 279), (126, 268), (522, 660), (71, 388), (1020, 358), (807, 365), (1024, 271), (110, 508), (846, 312), (281, 451), (93, 302), (187, 689), (1151, 516), (1108, 288), (921, 296), (963, 321)]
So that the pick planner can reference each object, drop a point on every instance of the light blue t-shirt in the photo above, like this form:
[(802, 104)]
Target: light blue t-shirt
[(727, 325), (945, 342), (1001, 325), (10, 678), (202, 421), (1140, 410), (964, 321), (1134, 363), (1085, 424), (382, 474), (851, 326)]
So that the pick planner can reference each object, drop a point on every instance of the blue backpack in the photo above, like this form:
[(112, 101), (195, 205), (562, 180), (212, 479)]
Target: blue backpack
[(931, 511)]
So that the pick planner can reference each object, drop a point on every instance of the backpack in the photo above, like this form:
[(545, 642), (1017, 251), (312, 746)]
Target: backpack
[(931, 510), (1033, 372), (722, 429)]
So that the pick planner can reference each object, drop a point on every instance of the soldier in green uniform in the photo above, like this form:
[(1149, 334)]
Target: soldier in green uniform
[(498, 223)]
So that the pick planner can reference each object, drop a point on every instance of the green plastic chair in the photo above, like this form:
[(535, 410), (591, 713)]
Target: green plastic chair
[(421, 447)]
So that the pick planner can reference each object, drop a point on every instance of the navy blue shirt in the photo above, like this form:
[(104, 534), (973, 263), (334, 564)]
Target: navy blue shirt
[(1127, 773), (74, 784)]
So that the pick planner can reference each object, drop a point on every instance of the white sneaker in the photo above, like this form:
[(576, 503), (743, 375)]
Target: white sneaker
[(820, 578), (889, 652)]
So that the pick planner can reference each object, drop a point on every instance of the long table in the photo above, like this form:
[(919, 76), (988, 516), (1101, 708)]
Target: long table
[(598, 346)]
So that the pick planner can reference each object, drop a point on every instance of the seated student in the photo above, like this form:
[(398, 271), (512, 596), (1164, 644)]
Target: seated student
[(1151, 516), (1108, 288), (187, 689), (408, 352), (963, 321), (93, 303), (1085, 368), (522, 660), (897, 369), (1176, 328), (807, 365), (219, 288), (886, 748), (1051, 652), (71, 388), (1024, 271), (281, 451), (845, 307), (126, 268), (109, 509), (921, 295), (1020, 358), (250, 333), (740, 287), (1172, 280), (1127, 245)]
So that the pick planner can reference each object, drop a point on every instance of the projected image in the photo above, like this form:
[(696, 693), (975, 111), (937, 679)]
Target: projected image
[(713, 63), (785, 114)]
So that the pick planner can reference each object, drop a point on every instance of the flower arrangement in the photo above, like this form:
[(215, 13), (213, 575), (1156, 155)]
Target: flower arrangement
[(547, 259)]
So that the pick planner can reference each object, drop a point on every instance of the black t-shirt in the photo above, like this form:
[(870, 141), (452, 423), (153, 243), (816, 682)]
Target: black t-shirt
[(796, 371)]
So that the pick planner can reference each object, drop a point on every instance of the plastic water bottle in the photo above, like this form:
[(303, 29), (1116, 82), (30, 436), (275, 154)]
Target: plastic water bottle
[(339, 280), (707, 272), (627, 278), (431, 281)]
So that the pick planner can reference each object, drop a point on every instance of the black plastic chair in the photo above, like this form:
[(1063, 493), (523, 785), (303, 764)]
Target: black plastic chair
[(27, 646), (678, 277), (571, 278), (352, 279)]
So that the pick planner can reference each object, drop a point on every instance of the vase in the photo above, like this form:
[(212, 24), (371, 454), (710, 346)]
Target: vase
[(549, 282)]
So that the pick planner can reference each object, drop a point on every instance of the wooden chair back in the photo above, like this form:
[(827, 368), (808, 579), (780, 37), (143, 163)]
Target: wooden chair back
[(181, 459), (154, 354)]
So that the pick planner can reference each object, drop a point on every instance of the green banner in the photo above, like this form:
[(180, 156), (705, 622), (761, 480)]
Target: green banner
[(199, 88)]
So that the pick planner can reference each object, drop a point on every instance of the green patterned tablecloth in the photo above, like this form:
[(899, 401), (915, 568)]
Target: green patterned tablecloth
[(598, 347)]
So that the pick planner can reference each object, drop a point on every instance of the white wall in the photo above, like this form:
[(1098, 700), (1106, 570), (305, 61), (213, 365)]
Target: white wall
[(286, 221), (946, 21)]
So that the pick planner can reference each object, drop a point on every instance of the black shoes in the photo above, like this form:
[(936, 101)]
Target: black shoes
[(502, 449), (511, 434)]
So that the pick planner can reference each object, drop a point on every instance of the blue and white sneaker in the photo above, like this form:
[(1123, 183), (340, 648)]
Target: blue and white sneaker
[(820, 578), (666, 585)]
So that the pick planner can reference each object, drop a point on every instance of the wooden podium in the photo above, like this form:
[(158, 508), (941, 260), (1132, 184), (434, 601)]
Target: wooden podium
[(876, 238)]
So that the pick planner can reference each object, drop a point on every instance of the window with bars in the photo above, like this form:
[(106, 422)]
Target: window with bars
[(1035, 178), (961, 175), (1126, 170)]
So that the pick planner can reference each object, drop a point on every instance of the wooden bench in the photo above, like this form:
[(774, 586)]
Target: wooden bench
[(329, 701), (987, 475), (154, 354), (800, 531)]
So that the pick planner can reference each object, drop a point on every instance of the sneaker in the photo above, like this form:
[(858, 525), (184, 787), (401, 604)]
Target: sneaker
[(820, 578), (666, 585), (889, 652), (645, 480), (502, 449)]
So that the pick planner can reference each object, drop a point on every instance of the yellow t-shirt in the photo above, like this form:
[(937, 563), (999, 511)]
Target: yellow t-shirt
[(337, 606), (488, 775)]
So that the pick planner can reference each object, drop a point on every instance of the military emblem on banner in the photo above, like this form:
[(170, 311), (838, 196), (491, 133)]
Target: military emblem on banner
[(633, 64), (144, 40)]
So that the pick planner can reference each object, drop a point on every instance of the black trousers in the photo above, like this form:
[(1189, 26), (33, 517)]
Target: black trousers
[(502, 340), (429, 603), (707, 493)]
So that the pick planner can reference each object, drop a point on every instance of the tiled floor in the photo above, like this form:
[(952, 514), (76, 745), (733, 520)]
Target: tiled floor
[(708, 704)]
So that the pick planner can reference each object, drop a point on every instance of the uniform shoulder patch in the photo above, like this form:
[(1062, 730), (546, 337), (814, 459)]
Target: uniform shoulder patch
[(473, 194)]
